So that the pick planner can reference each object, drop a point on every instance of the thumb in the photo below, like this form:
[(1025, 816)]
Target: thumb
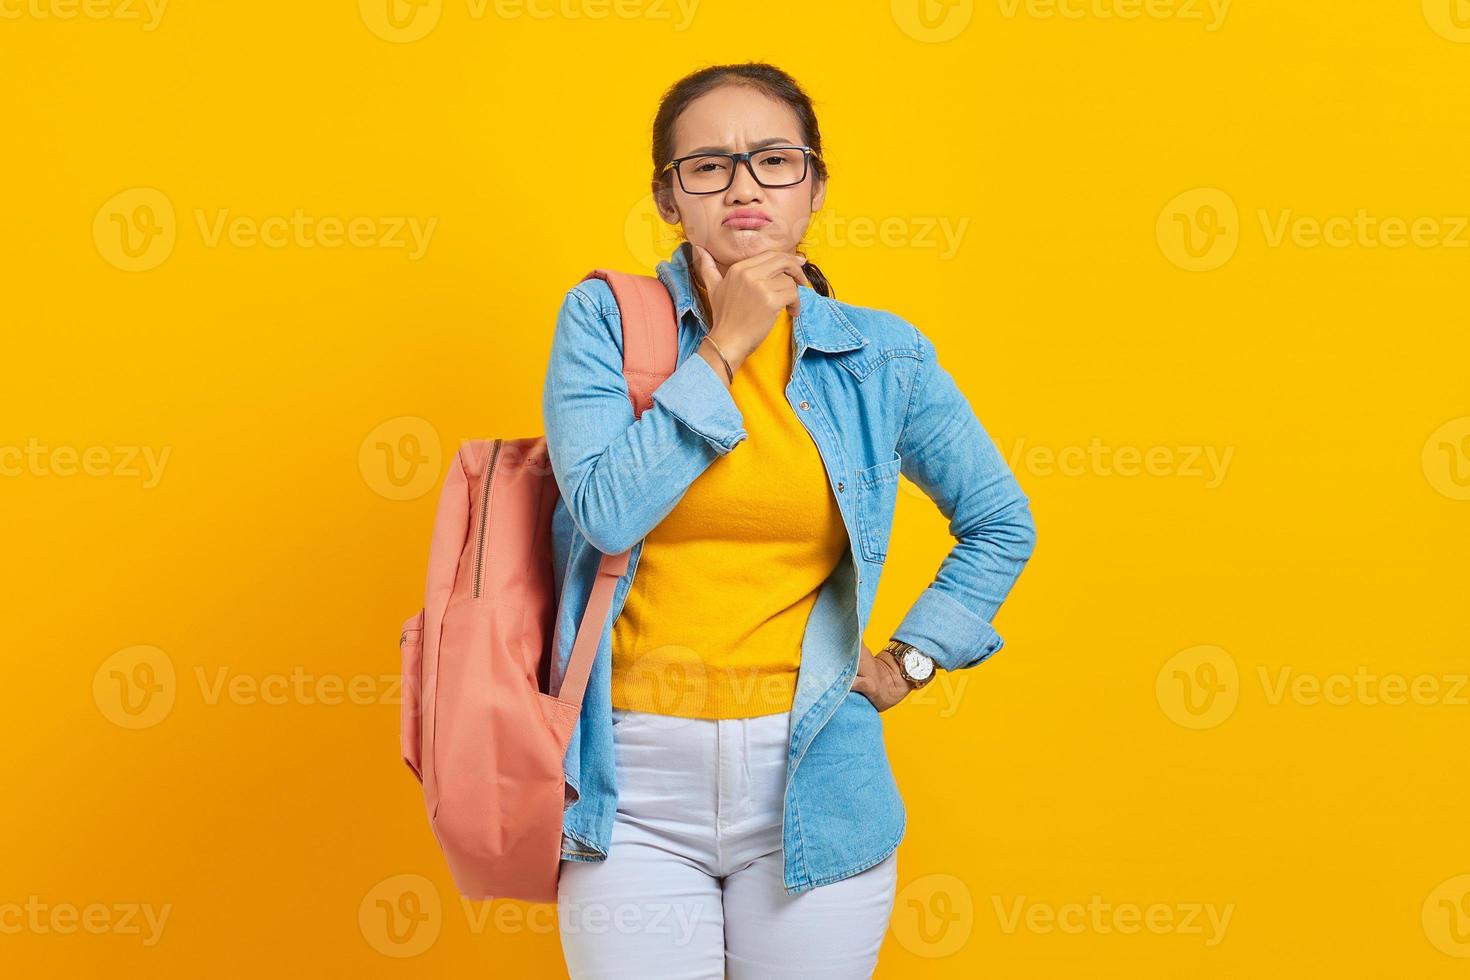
[(709, 273)]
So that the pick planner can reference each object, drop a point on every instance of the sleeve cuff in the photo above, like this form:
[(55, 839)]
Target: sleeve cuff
[(948, 631), (694, 395)]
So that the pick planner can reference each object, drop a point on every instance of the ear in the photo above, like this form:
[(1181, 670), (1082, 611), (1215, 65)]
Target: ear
[(663, 200), (819, 195)]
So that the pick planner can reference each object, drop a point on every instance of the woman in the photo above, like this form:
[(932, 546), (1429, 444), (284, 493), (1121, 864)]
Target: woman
[(733, 811)]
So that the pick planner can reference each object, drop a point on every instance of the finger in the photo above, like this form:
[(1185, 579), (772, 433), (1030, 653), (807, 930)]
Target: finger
[(801, 271), (793, 268), (792, 300), (773, 264)]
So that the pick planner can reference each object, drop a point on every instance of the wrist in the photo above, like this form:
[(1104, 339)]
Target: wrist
[(732, 342), (914, 665), (717, 358)]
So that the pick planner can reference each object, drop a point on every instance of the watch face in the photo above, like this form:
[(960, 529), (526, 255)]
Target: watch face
[(918, 665)]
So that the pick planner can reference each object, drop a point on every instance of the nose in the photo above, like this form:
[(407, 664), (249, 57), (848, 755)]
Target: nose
[(743, 188)]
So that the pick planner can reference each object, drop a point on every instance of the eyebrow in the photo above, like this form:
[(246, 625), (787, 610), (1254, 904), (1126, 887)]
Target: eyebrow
[(768, 141)]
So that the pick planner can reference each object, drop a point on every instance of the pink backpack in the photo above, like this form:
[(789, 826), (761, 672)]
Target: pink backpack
[(479, 729)]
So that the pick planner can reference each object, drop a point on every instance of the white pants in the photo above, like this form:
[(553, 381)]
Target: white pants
[(692, 884)]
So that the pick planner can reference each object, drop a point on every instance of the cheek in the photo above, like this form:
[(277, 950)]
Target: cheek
[(796, 214), (700, 214), (799, 223), (794, 219)]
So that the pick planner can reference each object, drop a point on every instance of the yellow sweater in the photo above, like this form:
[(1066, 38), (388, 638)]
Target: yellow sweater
[(713, 623)]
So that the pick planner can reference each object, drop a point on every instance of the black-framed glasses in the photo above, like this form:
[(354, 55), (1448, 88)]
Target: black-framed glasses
[(771, 166)]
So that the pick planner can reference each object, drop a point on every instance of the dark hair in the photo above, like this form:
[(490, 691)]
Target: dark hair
[(765, 78)]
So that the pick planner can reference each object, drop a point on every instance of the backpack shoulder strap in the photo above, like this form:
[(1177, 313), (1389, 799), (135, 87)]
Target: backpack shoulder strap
[(650, 354), (650, 335)]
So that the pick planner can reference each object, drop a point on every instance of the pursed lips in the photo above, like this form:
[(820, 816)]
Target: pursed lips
[(747, 218)]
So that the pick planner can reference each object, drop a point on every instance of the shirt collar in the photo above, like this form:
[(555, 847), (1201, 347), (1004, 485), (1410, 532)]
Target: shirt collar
[(820, 324)]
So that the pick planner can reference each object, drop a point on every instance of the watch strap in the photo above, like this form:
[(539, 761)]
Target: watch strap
[(901, 647)]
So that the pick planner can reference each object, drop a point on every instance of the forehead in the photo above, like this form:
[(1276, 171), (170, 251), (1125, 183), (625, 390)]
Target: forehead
[(734, 117)]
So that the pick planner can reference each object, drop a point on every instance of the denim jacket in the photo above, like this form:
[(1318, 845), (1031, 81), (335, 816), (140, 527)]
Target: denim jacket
[(871, 391)]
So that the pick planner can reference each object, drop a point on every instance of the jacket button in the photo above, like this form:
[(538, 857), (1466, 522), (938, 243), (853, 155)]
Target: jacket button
[(805, 405), (839, 486)]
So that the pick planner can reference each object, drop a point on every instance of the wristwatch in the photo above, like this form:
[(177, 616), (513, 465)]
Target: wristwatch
[(914, 665)]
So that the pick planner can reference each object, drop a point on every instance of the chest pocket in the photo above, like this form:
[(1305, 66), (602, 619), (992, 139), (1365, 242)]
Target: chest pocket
[(877, 493)]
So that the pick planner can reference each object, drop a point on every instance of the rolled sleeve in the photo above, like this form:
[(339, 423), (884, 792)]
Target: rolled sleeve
[(947, 631), (695, 396)]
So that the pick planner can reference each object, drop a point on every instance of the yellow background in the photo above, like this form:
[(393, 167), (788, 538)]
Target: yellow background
[(1131, 745)]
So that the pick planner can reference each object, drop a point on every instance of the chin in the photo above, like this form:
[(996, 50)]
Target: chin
[(743, 243)]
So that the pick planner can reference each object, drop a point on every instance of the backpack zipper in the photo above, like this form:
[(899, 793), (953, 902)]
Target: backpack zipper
[(484, 515)]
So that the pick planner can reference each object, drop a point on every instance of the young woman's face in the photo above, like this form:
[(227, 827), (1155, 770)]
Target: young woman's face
[(731, 119)]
